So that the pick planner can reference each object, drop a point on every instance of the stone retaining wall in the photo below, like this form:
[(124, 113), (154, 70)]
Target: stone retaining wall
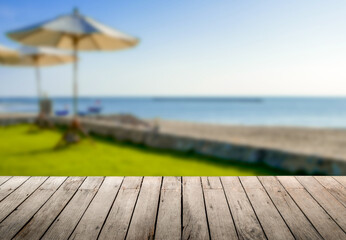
[(292, 162)]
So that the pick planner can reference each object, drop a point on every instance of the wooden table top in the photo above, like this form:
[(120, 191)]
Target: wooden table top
[(283, 207)]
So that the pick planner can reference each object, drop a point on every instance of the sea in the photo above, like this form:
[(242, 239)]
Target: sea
[(324, 112)]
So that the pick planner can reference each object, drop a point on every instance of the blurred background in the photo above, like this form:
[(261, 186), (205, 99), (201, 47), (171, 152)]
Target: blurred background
[(222, 88)]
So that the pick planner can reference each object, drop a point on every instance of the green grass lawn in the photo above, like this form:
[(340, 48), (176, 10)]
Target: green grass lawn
[(24, 152)]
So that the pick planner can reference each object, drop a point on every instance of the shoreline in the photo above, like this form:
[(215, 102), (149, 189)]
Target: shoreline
[(314, 151), (321, 142)]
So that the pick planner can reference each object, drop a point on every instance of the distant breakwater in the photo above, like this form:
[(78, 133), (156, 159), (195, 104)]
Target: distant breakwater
[(283, 160)]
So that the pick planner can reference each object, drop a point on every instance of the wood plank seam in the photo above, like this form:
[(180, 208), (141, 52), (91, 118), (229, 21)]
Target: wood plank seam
[(181, 207), (245, 219), (329, 190), (275, 206), (336, 179), (28, 208), (158, 205), (205, 207), (118, 220), (86, 208), (315, 227), (44, 208), (144, 216), (6, 181), (24, 198), (320, 204), (98, 235), (40, 206), (229, 208), (302, 187), (68, 219), (299, 207), (62, 209), (253, 209), (15, 188), (299, 222), (134, 207)]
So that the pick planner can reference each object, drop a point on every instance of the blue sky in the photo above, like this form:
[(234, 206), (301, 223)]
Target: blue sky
[(195, 47)]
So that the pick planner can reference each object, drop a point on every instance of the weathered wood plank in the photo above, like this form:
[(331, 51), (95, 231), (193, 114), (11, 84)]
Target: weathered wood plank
[(4, 179), (54, 208), (169, 216), (63, 226), (272, 223), (50, 210), (290, 182), (94, 217), (119, 217), (19, 195), (330, 204), (17, 219), (142, 225), (314, 212), (220, 220), (244, 217), (341, 180), (334, 187), (195, 224), (295, 219), (11, 185)]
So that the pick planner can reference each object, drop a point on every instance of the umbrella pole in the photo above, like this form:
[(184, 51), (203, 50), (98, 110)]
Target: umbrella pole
[(72, 135), (41, 121), (75, 81), (38, 82)]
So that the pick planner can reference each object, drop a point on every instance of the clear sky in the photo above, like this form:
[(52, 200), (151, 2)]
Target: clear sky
[(195, 47)]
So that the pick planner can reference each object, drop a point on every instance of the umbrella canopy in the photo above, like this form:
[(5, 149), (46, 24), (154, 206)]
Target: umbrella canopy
[(76, 32), (8, 56), (40, 56), (73, 31)]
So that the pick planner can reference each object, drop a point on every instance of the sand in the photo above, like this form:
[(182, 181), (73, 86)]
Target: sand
[(330, 143)]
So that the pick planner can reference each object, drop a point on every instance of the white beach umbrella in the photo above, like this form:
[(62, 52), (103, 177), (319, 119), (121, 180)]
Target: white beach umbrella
[(41, 56), (75, 32), (8, 56)]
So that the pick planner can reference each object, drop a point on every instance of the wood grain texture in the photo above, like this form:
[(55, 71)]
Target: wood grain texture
[(195, 224), (94, 217), (4, 179), (334, 187), (329, 203), (220, 220), (15, 221), (169, 216), (323, 223), (40, 222), (341, 179), (271, 221), (19, 195), (144, 216), (244, 217), (9, 186), (119, 217), (283, 207), (294, 218), (63, 226)]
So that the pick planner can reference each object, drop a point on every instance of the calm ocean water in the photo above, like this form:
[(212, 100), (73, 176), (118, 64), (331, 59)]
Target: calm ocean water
[(311, 112)]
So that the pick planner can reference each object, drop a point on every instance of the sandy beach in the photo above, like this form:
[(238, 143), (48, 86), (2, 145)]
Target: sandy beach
[(322, 142)]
